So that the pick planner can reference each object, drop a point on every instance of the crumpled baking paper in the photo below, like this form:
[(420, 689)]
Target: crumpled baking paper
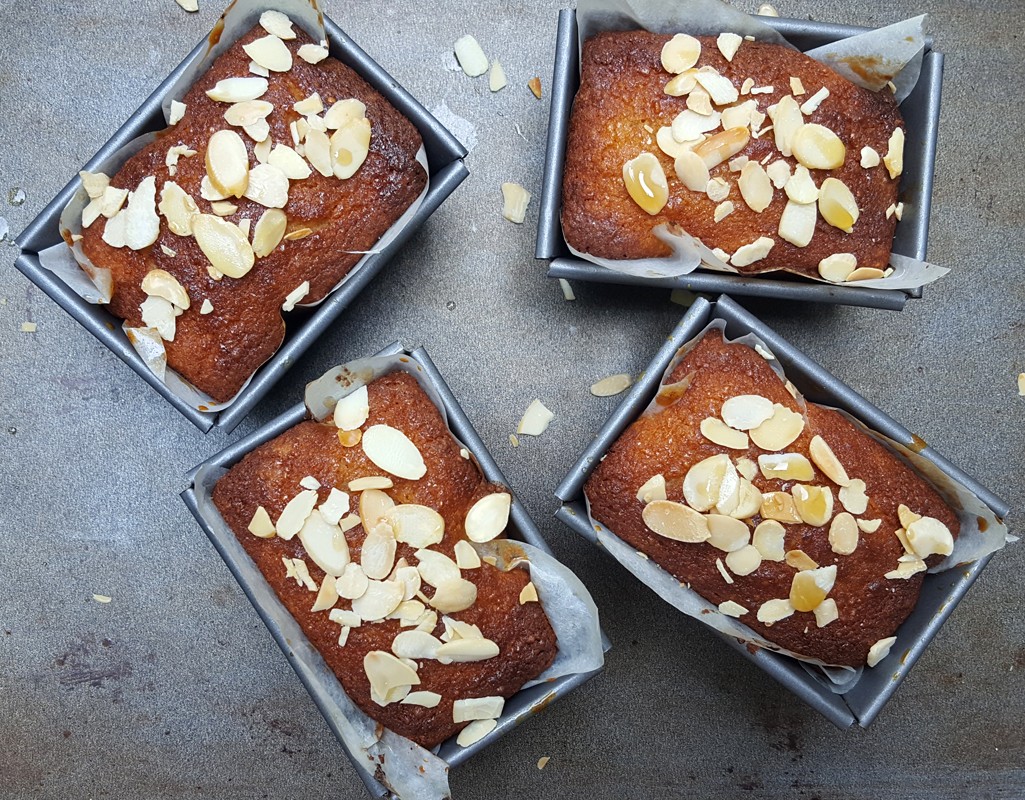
[(397, 761), (981, 533), (894, 52), (93, 283)]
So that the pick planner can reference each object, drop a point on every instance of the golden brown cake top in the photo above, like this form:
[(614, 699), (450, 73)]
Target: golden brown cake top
[(265, 193), (766, 155), (779, 511), (424, 635)]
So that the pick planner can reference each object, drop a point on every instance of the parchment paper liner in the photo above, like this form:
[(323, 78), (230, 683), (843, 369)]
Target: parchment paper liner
[(891, 53), (93, 283), (569, 607), (981, 533)]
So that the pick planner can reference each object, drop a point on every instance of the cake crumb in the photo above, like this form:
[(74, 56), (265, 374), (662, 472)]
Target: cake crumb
[(543, 762)]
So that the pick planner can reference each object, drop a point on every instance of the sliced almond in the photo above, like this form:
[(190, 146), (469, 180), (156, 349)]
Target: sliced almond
[(346, 617), (373, 506), (682, 84), (800, 560), (725, 573), (379, 600), (668, 145), (535, 419), (810, 587), (817, 147), (460, 651), (470, 56), (353, 582), (268, 186), (377, 555), (744, 561), (800, 187), (928, 536), (475, 731), (515, 200), (753, 252), (227, 163), (680, 53), (160, 283), (391, 450), (335, 507), (826, 612), (317, 149), (716, 431), (453, 596), (853, 497), (94, 183), (652, 489), (780, 506), (688, 126), (732, 609), (295, 513), (749, 502), (178, 208), (424, 699), (488, 517), (416, 645), (645, 182), (475, 708), (906, 569), (309, 106), (466, 556), (717, 189), (702, 485), (159, 314), (675, 521), (247, 112), (721, 88), (894, 158), (416, 525), (238, 90), (837, 205), (223, 208), (350, 146), (865, 274), (747, 411), (869, 525), (612, 385), (768, 539), (289, 162), (722, 146), (691, 170), (270, 227), (529, 594), (209, 192), (838, 267), (726, 533), (496, 77), (880, 650), (270, 53), (295, 296), (811, 105), (814, 503), (278, 24), (324, 543), (843, 534), (352, 410), (723, 210), (772, 611), (326, 597), (787, 120), (785, 467), (261, 524), (728, 44), (780, 430), (797, 223), (824, 458), (779, 173), (436, 568), (869, 158), (389, 677), (755, 187), (699, 102), (224, 245), (343, 112)]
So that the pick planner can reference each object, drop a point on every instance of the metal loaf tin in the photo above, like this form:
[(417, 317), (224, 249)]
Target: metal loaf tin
[(319, 681), (940, 592), (446, 170), (921, 112)]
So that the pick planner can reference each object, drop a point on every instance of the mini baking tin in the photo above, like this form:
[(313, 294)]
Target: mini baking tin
[(319, 681), (446, 170), (921, 110), (941, 592)]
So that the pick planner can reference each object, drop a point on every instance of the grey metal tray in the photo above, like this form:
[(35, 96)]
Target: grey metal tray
[(940, 593), (306, 662), (921, 112), (446, 170)]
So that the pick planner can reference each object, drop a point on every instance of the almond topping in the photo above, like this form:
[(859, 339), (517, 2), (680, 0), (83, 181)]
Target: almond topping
[(389, 677), (326, 597), (750, 253), (843, 534), (747, 411), (779, 506), (379, 600), (514, 202), (528, 594), (350, 146), (837, 205), (653, 489), (318, 152), (744, 561), (705, 481), (724, 572), (425, 699), (869, 158), (415, 645), (800, 560), (785, 467), (466, 556), (810, 587), (797, 223), (853, 497), (732, 609), (796, 86), (869, 525), (826, 612), (645, 181), (726, 533), (894, 158), (718, 432), (723, 210), (814, 503), (343, 112), (477, 708), (496, 77), (373, 505), (866, 274), (811, 105), (612, 385), (691, 170), (335, 507), (160, 283), (416, 525), (226, 247), (800, 187), (377, 555), (470, 56), (787, 120), (880, 650), (535, 419), (928, 536), (391, 450), (352, 583), (769, 538), (313, 53), (728, 44), (720, 87), (270, 227), (680, 53), (780, 430), (238, 90), (294, 515), (824, 458), (838, 267), (227, 163), (699, 102), (278, 24), (267, 186), (755, 187), (177, 112), (324, 543), (682, 84), (453, 596), (488, 517), (817, 147), (687, 125), (772, 611), (722, 146), (779, 173), (675, 521), (248, 112), (352, 410), (178, 208), (668, 145), (261, 524), (475, 731)]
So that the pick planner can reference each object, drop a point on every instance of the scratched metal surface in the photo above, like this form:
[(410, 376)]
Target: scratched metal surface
[(175, 689)]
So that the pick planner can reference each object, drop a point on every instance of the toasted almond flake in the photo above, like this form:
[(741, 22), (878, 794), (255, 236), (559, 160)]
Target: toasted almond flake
[(853, 497), (535, 420), (826, 612), (209, 192), (755, 187), (475, 731), (301, 573), (370, 482), (744, 561), (824, 458), (513, 440), (374, 504), (880, 650), (389, 677), (691, 170), (313, 53), (814, 503), (718, 432), (102, 598), (796, 86), (779, 173), (780, 430), (226, 247), (377, 555), (787, 120), (227, 163), (528, 594), (425, 699), (470, 56), (167, 251), (680, 53), (723, 210), (785, 467), (738, 163), (352, 410), (94, 183), (515, 200), (688, 126), (717, 189), (534, 84), (675, 521), (243, 226), (612, 385), (811, 105), (567, 290), (700, 102), (157, 313), (837, 205), (723, 571), (726, 533), (261, 524), (268, 186), (379, 600), (488, 517), (278, 24), (543, 761), (728, 44), (453, 596), (750, 253), (295, 513), (188, 5), (703, 483), (682, 84), (295, 296), (905, 569), (350, 146), (928, 536), (779, 506), (894, 158), (496, 77), (769, 539), (747, 468), (326, 597), (797, 223), (762, 89), (477, 708), (352, 583), (259, 131), (800, 187), (721, 147), (869, 158), (309, 106), (810, 587), (177, 112), (732, 609), (238, 90), (817, 147), (270, 227), (746, 86), (160, 283), (289, 162), (865, 274), (391, 450), (335, 507), (747, 411), (772, 611), (415, 645), (416, 525), (223, 208), (466, 556), (653, 489), (721, 88), (645, 182), (838, 267), (247, 112), (436, 568), (869, 525), (749, 502)]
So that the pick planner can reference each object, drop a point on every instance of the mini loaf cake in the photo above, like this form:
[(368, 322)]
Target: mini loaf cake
[(780, 512), (771, 159), (281, 167), (362, 525)]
